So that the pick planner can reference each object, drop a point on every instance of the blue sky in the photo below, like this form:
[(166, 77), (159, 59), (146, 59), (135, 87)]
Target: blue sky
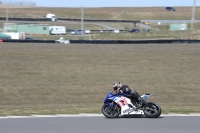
[(110, 3)]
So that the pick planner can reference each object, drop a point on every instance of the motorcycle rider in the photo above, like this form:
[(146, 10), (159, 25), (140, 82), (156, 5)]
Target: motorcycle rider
[(132, 94)]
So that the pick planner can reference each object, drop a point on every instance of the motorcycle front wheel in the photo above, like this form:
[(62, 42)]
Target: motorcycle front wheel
[(110, 111), (152, 110)]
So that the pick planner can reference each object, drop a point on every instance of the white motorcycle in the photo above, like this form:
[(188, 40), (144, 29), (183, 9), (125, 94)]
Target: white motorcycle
[(116, 105)]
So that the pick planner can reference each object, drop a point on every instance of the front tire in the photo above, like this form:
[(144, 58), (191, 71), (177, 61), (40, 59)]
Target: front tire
[(152, 110), (110, 111)]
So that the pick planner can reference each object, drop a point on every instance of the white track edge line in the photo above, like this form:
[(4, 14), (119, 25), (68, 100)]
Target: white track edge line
[(83, 115)]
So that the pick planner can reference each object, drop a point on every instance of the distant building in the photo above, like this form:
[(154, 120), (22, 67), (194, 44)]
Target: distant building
[(178, 27), (27, 28)]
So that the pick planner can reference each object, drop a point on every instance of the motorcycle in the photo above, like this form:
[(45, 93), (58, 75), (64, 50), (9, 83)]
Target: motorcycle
[(116, 105)]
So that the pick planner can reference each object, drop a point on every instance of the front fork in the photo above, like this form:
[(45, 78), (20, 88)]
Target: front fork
[(113, 105)]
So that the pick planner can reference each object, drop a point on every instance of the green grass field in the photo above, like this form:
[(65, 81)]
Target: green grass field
[(75, 78)]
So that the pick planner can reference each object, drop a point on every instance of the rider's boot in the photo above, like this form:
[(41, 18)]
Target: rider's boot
[(142, 102), (135, 107), (139, 99)]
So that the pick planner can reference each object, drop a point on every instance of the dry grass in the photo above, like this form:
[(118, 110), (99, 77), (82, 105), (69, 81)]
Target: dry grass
[(158, 32), (74, 78), (14, 6), (68, 25), (125, 36), (127, 13)]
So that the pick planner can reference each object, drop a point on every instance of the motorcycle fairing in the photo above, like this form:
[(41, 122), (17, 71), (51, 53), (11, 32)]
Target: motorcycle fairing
[(145, 97), (124, 103)]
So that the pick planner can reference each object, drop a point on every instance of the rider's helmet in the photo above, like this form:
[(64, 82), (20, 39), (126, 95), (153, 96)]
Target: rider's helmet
[(117, 85)]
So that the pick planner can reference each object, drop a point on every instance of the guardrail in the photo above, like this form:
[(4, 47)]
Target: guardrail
[(67, 19), (91, 20), (29, 41), (26, 19), (109, 41), (101, 30), (133, 41)]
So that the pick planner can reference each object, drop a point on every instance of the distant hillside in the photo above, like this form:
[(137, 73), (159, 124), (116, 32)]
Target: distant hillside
[(115, 13), (14, 6)]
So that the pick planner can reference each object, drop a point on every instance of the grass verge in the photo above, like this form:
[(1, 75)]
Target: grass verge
[(75, 78)]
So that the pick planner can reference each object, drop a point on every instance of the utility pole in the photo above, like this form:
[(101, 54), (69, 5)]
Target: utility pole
[(193, 14), (82, 17), (7, 12)]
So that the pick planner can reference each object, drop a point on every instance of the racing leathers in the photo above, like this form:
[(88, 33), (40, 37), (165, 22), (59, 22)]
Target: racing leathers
[(132, 94)]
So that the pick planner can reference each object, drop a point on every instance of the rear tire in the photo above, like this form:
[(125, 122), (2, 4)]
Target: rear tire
[(155, 111), (110, 111)]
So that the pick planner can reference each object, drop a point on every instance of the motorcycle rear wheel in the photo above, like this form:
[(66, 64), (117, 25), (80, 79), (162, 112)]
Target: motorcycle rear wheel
[(110, 111), (152, 110)]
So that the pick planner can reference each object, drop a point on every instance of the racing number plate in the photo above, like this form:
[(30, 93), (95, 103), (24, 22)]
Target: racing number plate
[(122, 102)]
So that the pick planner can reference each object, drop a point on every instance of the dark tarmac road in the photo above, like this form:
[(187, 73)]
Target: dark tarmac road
[(100, 124)]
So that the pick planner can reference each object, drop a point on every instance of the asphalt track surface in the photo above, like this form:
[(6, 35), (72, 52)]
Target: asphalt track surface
[(100, 124)]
